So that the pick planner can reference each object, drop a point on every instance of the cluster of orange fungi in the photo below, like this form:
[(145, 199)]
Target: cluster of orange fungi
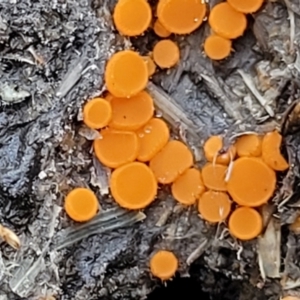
[(137, 145)]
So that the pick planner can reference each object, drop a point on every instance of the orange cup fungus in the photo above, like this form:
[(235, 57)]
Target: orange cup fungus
[(81, 204), (213, 146), (160, 30), (152, 138), (126, 74), (181, 17), (227, 22), (246, 6), (150, 65), (248, 145), (131, 113), (251, 182), (116, 148), (163, 264), (217, 47), (166, 54), (133, 185), (132, 17), (213, 176), (214, 206), (187, 188), (271, 151), (245, 223), (168, 164), (97, 113)]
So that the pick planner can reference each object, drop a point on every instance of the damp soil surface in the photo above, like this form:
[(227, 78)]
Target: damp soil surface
[(52, 60)]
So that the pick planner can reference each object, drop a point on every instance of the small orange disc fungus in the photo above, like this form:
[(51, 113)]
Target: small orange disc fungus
[(181, 17), (131, 113), (211, 151), (214, 206), (171, 161), (217, 47), (248, 145), (245, 223), (271, 151), (160, 30), (166, 54), (133, 186), (126, 74), (81, 204), (152, 138), (246, 6), (150, 65), (226, 21), (187, 188), (132, 17), (213, 176), (251, 182), (116, 148), (163, 264)]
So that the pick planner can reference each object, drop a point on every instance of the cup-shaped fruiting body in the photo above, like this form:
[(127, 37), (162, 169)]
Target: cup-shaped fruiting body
[(116, 148), (160, 30), (181, 17), (246, 6), (245, 223), (271, 151), (97, 113), (126, 74), (164, 264), (168, 164), (81, 204), (251, 182), (248, 145), (150, 65), (217, 47), (226, 21), (153, 136), (166, 54), (214, 207), (133, 186), (212, 148), (213, 176), (131, 113), (132, 17), (188, 187)]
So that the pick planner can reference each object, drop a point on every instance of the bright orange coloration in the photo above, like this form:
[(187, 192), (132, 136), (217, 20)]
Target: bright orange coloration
[(251, 182), (187, 188), (150, 65), (166, 54), (168, 164), (152, 138), (245, 223), (226, 21), (133, 186), (126, 74), (131, 113), (181, 17), (214, 206), (271, 151), (160, 30), (116, 148), (246, 6), (132, 17), (81, 204), (163, 264), (211, 151), (213, 176), (248, 145), (217, 47), (97, 113)]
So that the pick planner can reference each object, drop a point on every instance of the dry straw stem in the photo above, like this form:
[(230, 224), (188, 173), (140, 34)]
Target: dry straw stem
[(10, 237)]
